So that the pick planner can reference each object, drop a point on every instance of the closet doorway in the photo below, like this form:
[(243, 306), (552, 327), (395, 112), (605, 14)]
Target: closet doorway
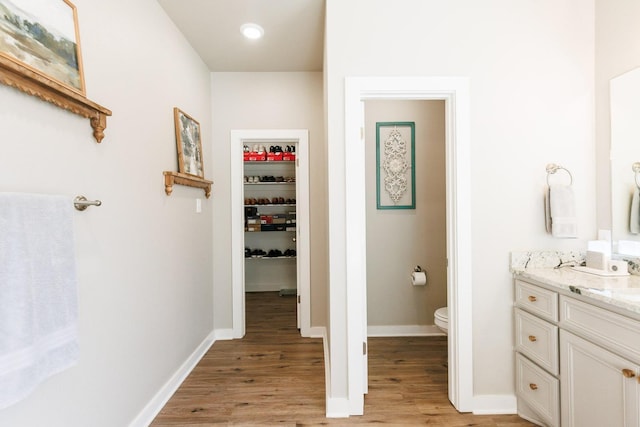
[(294, 207)]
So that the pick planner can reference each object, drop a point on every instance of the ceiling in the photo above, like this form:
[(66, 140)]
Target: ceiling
[(293, 33)]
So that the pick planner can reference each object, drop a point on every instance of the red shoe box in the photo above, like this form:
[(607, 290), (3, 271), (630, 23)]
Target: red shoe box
[(266, 219), (288, 157), (274, 157), (255, 157)]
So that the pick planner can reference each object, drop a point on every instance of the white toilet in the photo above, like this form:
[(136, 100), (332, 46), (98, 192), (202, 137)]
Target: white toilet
[(441, 319)]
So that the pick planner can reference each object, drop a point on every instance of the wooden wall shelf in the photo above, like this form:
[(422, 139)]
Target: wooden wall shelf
[(32, 83), (172, 178)]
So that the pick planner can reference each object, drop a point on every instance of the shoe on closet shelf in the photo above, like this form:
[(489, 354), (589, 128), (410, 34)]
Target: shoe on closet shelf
[(274, 253), (257, 253)]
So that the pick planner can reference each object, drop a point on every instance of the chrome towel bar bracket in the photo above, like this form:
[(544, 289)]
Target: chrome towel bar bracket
[(553, 168), (636, 171), (81, 203)]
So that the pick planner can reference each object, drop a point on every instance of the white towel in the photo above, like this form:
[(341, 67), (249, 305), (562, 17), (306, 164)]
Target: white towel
[(562, 209), (547, 211), (38, 296), (634, 214)]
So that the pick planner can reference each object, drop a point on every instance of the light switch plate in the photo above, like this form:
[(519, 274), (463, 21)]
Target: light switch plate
[(198, 205)]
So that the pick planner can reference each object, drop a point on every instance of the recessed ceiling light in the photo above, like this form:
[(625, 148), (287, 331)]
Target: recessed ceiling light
[(252, 31)]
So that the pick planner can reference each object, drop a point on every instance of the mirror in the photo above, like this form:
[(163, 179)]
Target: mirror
[(625, 151)]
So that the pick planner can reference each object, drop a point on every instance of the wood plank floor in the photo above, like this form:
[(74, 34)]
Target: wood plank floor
[(275, 377)]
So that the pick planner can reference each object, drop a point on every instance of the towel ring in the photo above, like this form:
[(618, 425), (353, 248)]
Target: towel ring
[(553, 168), (636, 170)]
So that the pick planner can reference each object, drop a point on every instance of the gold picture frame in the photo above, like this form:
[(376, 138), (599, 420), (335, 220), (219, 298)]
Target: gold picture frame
[(40, 56), (189, 143), (43, 37)]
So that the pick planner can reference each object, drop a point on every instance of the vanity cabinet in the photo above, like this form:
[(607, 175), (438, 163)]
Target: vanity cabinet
[(537, 360), (599, 388), (577, 364), (600, 365)]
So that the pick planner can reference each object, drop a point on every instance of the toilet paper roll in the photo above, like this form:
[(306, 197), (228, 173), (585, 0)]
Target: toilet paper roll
[(419, 278)]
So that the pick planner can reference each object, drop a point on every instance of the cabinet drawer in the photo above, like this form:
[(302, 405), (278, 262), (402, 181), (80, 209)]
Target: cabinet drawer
[(618, 333), (539, 389), (539, 301), (537, 339)]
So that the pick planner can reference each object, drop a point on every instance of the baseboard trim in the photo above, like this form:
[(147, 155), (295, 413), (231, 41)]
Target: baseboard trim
[(404, 331), (155, 405), (335, 408), (223, 334), (318, 332), (498, 404)]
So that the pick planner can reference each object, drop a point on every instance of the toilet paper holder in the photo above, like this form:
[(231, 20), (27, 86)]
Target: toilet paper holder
[(418, 276)]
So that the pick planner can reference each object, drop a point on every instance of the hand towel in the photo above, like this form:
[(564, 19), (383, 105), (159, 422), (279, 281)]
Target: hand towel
[(634, 214), (38, 296), (547, 211), (563, 211)]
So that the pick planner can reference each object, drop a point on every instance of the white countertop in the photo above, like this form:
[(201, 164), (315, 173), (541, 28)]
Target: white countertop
[(622, 292)]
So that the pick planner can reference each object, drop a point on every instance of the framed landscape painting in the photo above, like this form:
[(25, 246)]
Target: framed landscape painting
[(189, 143), (42, 36)]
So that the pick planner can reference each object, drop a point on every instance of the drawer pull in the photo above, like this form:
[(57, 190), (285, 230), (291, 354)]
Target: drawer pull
[(533, 338), (628, 373), (532, 298), (533, 386)]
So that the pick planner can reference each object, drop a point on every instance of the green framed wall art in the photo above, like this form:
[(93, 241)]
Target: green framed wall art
[(395, 165)]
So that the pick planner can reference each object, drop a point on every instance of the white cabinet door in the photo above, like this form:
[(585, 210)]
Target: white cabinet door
[(598, 388)]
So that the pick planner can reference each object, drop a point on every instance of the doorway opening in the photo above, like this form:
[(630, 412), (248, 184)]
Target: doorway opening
[(454, 91), (297, 233), (406, 215)]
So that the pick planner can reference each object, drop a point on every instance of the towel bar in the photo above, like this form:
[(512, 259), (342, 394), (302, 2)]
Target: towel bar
[(81, 203), (553, 168)]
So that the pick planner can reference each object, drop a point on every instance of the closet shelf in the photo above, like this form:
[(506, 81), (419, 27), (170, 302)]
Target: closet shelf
[(272, 205), (269, 231), (273, 162), (171, 178), (270, 183), (269, 257)]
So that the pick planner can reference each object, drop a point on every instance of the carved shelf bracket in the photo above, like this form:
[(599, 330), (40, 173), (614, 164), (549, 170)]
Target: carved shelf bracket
[(31, 83), (172, 178)]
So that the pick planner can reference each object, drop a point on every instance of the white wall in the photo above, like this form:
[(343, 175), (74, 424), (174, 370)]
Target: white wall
[(143, 258), (267, 101), (530, 64), (398, 240), (617, 51)]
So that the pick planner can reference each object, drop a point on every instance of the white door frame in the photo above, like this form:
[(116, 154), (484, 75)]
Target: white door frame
[(270, 136), (455, 92)]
